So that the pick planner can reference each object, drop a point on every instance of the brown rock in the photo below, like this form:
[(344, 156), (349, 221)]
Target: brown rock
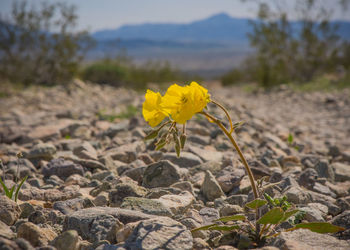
[(9, 210), (35, 235)]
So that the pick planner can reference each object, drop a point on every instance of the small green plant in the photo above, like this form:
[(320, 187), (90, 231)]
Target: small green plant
[(129, 112), (12, 192), (180, 104), (290, 139)]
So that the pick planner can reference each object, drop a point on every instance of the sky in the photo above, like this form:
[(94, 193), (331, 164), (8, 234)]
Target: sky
[(110, 14)]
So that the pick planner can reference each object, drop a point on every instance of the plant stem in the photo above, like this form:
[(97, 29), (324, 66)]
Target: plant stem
[(226, 113), (244, 161)]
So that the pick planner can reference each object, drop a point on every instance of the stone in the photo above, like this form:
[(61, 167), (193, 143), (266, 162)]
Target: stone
[(229, 209), (297, 195), (43, 133), (237, 199), (324, 170), (187, 159), (207, 154), (100, 227), (51, 195), (230, 177), (116, 128), (161, 174), (200, 244), (82, 220), (85, 151), (305, 239), (125, 231), (208, 215), (62, 168), (127, 153), (184, 185), (6, 232), (77, 179), (101, 199), (9, 210), (312, 214), (342, 220), (69, 206), (212, 166), (148, 206), (211, 188), (160, 233), (112, 233), (341, 171), (177, 204), (322, 189), (123, 190), (68, 240), (197, 179), (42, 151), (35, 235), (326, 200), (308, 178), (199, 139), (18, 244)]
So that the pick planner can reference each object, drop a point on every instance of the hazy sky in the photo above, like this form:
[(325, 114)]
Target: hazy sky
[(102, 14)]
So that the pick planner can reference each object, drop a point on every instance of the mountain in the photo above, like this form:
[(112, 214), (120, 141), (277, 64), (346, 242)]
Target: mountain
[(215, 44), (220, 28)]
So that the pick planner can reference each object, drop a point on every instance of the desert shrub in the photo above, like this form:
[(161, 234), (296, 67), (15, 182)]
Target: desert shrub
[(232, 77), (120, 72), (290, 51), (106, 72), (40, 45)]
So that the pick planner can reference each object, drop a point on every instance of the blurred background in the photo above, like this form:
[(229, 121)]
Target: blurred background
[(304, 43)]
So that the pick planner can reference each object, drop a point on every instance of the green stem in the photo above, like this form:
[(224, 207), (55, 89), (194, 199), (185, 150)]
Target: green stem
[(244, 161), (226, 113)]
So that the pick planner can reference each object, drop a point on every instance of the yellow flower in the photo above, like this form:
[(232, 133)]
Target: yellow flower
[(151, 109), (181, 103)]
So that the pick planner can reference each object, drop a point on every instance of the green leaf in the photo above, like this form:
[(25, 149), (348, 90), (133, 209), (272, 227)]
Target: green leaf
[(256, 203), (19, 187), (224, 228), (11, 191), (274, 216), (232, 218), (178, 150), (7, 192), (319, 227), (183, 138), (289, 214), (238, 124), (203, 228), (290, 139), (161, 145), (153, 134), (269, 199)]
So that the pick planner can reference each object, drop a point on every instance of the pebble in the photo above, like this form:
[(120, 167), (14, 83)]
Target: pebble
[(160, 233)]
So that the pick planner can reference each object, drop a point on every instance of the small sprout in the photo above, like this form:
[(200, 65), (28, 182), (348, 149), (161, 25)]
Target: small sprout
[(290, 139)]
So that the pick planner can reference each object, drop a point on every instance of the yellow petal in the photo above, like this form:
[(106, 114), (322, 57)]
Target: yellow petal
[(151, 109)]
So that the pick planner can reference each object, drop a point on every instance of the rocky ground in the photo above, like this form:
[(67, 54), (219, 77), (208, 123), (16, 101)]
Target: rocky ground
[(94, 183)]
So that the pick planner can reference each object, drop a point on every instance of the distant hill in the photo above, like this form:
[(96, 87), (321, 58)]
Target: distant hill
[(220, 28)]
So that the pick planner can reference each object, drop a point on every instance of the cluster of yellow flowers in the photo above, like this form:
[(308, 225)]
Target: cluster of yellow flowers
[(179, 103)]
